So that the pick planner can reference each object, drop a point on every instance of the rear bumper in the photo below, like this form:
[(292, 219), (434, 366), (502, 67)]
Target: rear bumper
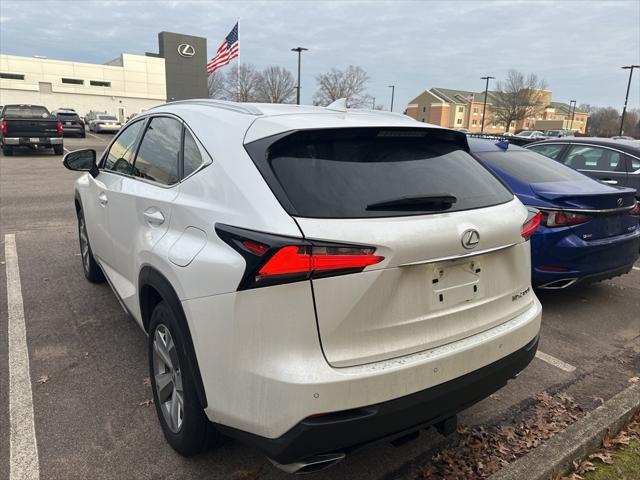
[(27, 141), (72, 129), (351, 429), (106, 128), (585, 261)]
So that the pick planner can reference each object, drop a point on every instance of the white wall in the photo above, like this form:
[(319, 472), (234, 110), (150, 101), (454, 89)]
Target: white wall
[(136, 85)]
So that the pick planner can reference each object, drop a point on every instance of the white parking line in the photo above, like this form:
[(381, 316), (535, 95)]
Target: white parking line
[(636, 268), (95, 136), (556, 362), (66, 149), (23, 449)]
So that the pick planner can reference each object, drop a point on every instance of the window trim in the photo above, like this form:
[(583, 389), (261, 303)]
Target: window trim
[(12, 76), (204, 153)]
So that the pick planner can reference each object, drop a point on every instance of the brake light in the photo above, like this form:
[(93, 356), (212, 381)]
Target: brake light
[(4, 127), (59, 127), (635, 210), (531, 226), (551, 268), (312, 260), (560, 218), (272, 259)]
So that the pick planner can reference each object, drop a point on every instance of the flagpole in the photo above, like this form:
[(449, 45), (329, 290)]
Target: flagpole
[(238, 23)]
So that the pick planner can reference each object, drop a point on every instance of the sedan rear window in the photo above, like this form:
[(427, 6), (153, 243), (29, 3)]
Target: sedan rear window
[(530, 167), (372, 172)]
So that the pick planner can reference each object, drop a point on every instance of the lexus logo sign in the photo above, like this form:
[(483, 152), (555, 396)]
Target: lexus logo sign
[(186, 50), (470, 239)]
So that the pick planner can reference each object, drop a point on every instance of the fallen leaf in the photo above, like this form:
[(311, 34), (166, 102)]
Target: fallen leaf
[(604, 457), (147, 402), (252, 474), (43, 379), (634, 380), (146, 382)]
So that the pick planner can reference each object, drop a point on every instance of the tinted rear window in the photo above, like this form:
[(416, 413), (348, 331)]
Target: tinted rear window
[(336, 173), (67, 116), (25, 111), (530, 167)]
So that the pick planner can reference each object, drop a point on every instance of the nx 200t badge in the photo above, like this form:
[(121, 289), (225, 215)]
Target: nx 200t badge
[(470, 239), (186, 50), (518, 296), (620, 202)]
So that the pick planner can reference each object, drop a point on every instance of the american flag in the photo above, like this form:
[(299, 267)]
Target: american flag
[(227, 51)]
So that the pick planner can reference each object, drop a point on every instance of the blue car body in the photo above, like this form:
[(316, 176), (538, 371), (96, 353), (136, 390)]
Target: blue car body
[(604, 239)]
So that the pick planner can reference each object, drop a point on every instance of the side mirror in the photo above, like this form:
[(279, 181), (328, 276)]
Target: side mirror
[(81, 161)]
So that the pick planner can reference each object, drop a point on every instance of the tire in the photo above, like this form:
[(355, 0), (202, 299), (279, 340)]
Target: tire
[(89, 265), (191, 432), (7, 150), (83, 135), (58, 149)]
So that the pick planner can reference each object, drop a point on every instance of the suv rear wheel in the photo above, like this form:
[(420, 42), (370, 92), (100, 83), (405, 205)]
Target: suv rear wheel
[(183, 421), (7, 150)]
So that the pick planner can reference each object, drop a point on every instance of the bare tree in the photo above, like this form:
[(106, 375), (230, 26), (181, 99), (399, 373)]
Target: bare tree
[(242, 86), (350, 84), (518, 97), (216, 85), (276, 85), (604, 122)]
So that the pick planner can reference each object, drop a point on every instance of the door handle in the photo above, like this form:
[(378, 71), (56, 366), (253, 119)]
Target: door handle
[(610, 181), (102, 198), (153, 216)]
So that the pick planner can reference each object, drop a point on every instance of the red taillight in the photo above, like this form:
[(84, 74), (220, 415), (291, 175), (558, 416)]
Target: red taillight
[(551, 268), (256, 248), (531, 226), (635, 210), (4, 127), (311, 259), (59, 127), (560, 218)]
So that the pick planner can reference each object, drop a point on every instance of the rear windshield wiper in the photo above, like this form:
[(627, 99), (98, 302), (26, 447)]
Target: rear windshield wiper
[(436, 201)]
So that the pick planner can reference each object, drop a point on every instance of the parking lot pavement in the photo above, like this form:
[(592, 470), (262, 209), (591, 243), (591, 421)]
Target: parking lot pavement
[(88, 359)]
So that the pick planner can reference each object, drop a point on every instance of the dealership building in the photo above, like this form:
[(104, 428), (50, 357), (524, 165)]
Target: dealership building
[(126, 85)]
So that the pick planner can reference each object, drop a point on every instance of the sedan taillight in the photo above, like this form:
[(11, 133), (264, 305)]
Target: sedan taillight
[(560, 218), (272, 260)]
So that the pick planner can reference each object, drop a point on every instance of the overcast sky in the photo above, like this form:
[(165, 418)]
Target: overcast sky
[(578, 47)]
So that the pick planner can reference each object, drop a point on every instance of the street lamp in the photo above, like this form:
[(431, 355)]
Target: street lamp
[(299, 50), (373, 104), (626, 98), (484, 105), (393, 91), (571, 112)]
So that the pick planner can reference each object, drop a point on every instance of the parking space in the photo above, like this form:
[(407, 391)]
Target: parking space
[(88, 361)]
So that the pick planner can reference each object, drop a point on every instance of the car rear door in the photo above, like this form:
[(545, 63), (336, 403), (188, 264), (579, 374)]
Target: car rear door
[(605, 164), (451, 269), (140, 204)]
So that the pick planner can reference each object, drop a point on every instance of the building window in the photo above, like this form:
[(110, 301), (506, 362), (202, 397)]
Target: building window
[(473, 122), (73, 81), (459, 121), (475, 111), (423, 120), (460, 109), (424, 109), (98, 83), (12, 76)]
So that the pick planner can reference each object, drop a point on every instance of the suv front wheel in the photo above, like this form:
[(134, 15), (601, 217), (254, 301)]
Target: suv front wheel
[(91, 269), (183, 421)]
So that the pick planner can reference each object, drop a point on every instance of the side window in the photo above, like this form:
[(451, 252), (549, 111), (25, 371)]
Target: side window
[(585, 157), (551, 151), (634, 162), (192, 157), (159, 152), (120, 156)]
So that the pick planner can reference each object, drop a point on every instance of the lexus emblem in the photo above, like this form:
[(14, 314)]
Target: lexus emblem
[(470, 239), (620, 202), (186, 50)]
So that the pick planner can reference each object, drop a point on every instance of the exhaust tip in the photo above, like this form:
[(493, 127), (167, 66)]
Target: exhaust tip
[(311, 464), (558, 284)]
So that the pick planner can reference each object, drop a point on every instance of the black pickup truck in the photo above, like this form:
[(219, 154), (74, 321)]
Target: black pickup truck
[(30, 126)]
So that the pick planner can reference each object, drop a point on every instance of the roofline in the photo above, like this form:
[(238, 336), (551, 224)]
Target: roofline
[(223, 104)]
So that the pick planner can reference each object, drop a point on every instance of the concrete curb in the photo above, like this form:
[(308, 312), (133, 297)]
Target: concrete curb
[(576, 442)]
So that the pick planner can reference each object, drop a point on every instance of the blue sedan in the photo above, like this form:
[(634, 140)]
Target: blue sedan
[(589, 230)]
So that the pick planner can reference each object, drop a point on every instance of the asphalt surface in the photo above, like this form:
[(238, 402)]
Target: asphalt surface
[(90, 417)]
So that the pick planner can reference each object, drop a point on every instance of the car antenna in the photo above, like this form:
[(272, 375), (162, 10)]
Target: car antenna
[(503, 144), (340, 105)]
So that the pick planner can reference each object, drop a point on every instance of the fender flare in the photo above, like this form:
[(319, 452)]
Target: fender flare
[(151, 277)]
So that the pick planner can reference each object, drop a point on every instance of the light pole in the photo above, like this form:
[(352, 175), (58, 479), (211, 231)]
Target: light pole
[(484, 105), (571, 113), (626, 98), (373, 106), (299, 50), (393, 91)]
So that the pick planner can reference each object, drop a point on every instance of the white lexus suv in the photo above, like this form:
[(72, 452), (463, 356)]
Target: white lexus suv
[(311, 279)]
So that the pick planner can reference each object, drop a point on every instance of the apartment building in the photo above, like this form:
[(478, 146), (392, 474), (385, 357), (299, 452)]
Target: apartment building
[(464, 109)]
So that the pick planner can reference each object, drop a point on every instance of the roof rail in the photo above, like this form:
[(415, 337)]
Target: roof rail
[(232, 106)]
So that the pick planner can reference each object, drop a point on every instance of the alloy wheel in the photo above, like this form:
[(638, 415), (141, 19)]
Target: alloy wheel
[(84, 243), (168, 378)]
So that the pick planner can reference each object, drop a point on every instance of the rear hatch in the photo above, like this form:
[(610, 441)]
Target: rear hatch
[(29, 121), (600, 211), (413, 194)]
